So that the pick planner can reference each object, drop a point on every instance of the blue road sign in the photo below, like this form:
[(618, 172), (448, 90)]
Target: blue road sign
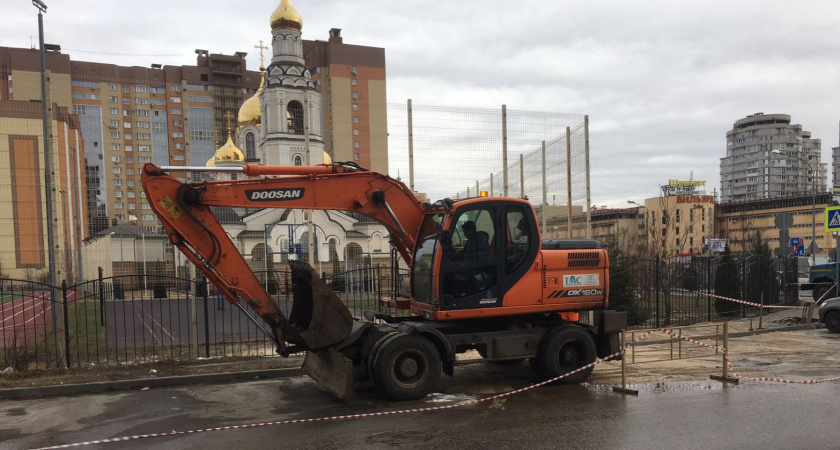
[(798, 245), (832, 218)]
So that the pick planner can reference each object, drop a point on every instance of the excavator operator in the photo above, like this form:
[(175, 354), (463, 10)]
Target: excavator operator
[(477, 245)]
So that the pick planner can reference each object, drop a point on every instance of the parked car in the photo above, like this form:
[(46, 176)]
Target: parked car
[(830, 314)]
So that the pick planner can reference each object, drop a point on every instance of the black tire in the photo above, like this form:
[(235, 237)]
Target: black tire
[(372, 356), (564, 350), (407, 367), (832, 321), (818, 292)]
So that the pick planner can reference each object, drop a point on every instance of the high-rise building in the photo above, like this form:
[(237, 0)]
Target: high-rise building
[(23, 204), (352, 81), (128, 116), (768, 157)]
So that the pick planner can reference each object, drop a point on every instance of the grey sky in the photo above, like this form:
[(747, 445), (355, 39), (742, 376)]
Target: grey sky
[(662, 81)]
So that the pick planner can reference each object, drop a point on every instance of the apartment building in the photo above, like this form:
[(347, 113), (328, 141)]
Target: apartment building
[(768, 157), (351, 79)]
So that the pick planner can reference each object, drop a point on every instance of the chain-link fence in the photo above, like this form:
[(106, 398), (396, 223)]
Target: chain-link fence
[(459, 152)]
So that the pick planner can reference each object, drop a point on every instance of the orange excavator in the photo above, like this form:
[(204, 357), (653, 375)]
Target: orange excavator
[(480, 278)]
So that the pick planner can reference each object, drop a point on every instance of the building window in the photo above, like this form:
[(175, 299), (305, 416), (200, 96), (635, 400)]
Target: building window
[(112, 87), (141, 101), (356, 156), (175, 111), (250, 147), (115, 135), (355, 95), (354, 82), (112, 99), (294, 117), (114, 123), (353, 70), (113, 111), (356, 144), (355, 119), (125, 89), (141, 89), (355, 132), (126, 101), (355, 107), (298, 160), (115, 146)]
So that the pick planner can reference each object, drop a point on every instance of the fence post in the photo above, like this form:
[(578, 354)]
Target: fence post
[(101, 300), (66, 324), (656, 290), (743, 287), (725, 378), (760, 313), (623, 389), (206, 328), (709, 288)]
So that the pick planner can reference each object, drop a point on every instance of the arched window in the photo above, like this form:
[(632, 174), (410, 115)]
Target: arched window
[(250, 147), (294, 117), (298, 160)]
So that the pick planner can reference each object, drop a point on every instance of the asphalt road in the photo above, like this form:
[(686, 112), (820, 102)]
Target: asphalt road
[(698, 414)]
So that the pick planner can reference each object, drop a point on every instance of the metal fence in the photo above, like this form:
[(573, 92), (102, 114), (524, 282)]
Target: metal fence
[(133, 319), (685, 290), (458, 152)]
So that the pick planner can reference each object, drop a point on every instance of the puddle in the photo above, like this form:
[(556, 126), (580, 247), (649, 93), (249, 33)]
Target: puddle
[(399, 437), (437, 397), (688, 386)]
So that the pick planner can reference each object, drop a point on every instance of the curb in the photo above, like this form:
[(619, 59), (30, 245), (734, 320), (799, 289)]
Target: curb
[(118, 385)]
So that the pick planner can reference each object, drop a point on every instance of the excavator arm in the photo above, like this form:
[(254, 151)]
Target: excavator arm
[(318, 318)]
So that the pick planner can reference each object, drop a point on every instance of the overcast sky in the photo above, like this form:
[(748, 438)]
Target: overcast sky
[(662, 81)]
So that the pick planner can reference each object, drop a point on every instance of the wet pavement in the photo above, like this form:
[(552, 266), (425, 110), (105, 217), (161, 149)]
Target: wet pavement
[(695, 414)]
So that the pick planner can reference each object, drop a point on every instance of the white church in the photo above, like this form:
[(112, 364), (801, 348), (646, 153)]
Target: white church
[(281, 125)]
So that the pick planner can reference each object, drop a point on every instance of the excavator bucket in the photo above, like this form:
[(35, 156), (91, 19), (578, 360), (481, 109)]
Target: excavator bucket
[(318, 319), (332, 370)]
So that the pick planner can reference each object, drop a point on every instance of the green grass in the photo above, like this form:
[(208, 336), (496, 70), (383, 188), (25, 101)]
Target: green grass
[(11, 297)]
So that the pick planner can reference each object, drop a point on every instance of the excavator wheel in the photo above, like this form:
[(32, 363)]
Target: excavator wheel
[(564, 350), (372, 356), (407, 367)]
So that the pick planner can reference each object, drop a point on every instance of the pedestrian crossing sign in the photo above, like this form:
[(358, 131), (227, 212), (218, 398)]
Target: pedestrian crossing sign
[(832, 218)]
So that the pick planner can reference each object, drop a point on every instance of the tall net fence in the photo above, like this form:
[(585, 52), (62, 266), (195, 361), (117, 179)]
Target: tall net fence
[(460, 152)]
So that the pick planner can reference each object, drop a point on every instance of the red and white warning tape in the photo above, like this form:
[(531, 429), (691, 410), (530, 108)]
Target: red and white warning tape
[(671, 333), (354, 416), (732, 368), (757, 305)]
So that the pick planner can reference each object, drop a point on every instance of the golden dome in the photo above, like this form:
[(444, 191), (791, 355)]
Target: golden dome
[(285, 17), (228, 153), (211, 162), (327, 159), (250, 112)]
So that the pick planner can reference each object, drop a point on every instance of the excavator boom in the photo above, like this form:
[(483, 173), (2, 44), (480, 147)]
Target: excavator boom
[(318, 318)]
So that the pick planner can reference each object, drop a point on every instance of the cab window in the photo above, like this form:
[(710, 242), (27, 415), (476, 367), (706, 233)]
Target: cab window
[(472, 236), (518, 238)]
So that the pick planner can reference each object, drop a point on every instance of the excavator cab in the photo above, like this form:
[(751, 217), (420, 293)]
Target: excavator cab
[(469, 258)]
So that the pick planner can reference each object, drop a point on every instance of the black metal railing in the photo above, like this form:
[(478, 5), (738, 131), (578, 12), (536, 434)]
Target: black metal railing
[(132, 319)]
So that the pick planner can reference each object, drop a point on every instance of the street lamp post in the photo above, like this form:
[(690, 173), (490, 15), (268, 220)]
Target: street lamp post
[(813, 203)]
